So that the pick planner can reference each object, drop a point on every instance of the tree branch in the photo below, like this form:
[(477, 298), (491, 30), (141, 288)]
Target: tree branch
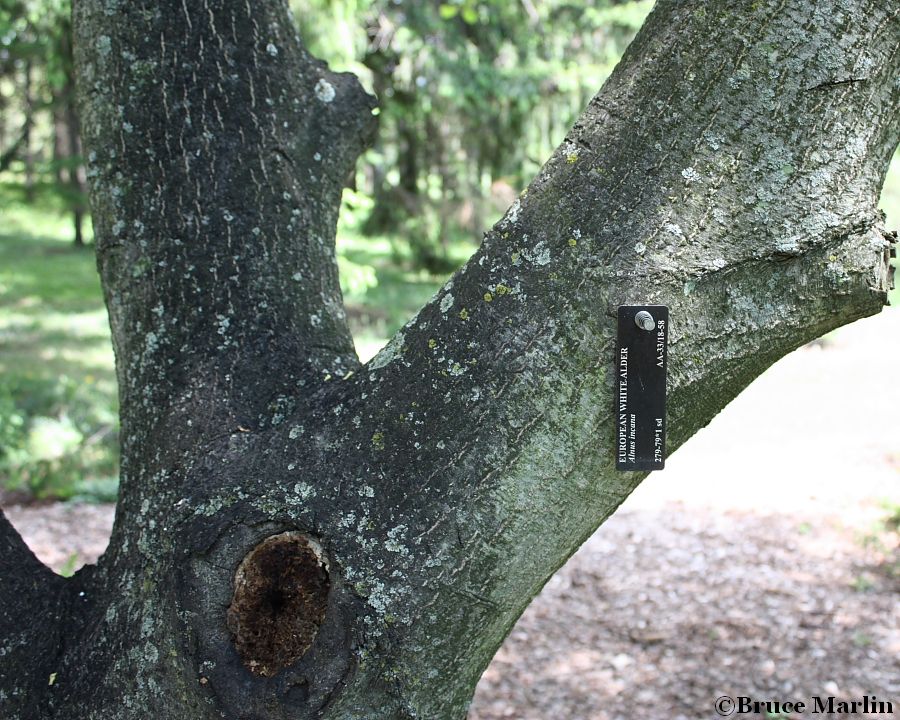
[(217, 150), (28, 590), (476, 450)]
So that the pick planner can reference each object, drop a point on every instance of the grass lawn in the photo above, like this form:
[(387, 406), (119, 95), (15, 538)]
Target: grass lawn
[(58, 405)]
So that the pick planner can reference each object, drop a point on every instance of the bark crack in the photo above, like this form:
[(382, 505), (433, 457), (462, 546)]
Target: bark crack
[(828, 84)]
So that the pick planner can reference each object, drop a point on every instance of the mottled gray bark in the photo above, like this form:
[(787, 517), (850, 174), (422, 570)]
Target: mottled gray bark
[(729, 168), (32, 611)]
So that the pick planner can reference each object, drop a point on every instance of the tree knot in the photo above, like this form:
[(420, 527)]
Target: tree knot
[(280, 596)]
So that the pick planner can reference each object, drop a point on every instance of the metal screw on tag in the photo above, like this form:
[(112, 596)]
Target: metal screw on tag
[(645, 321)]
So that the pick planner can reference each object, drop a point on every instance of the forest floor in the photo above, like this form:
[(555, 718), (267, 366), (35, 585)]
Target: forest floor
[(761, 562)]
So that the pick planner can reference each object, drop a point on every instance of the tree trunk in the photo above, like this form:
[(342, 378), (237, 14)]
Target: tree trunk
[(10, 153), (76, 179), (76, 182), (60, 138), (301, 536), (28, 152)]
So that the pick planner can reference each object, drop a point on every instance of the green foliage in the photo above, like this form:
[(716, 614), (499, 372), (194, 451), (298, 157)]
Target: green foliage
[(382, 287), (58, 411), (891, 519), (357, 278), (883, 540), (12, 423), (40, 152), (68, 567), (473, 95), (885, 532), (61, 440)]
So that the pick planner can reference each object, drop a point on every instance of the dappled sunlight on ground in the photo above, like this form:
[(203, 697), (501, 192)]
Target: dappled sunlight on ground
[(819, 432)]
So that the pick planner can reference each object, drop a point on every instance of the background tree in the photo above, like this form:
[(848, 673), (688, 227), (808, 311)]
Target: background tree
[(42, 152), (301, 536), (444, 72)]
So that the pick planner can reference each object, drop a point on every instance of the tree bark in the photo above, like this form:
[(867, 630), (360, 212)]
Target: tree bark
[(729, 168)]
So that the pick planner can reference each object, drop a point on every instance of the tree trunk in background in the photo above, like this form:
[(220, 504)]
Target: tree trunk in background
[(75, 178), (300, 536), (409, 162), (60, 139), (27, 154), (10, 153), (69, 172), (440, 165), (76, 175)]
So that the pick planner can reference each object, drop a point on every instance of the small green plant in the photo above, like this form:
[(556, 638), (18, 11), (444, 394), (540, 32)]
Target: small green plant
[(883, 539), (59, 438), (891, 520), (862, 583), (69, 566)]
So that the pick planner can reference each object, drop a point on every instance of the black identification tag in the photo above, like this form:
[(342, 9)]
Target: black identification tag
[(641, 387)]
